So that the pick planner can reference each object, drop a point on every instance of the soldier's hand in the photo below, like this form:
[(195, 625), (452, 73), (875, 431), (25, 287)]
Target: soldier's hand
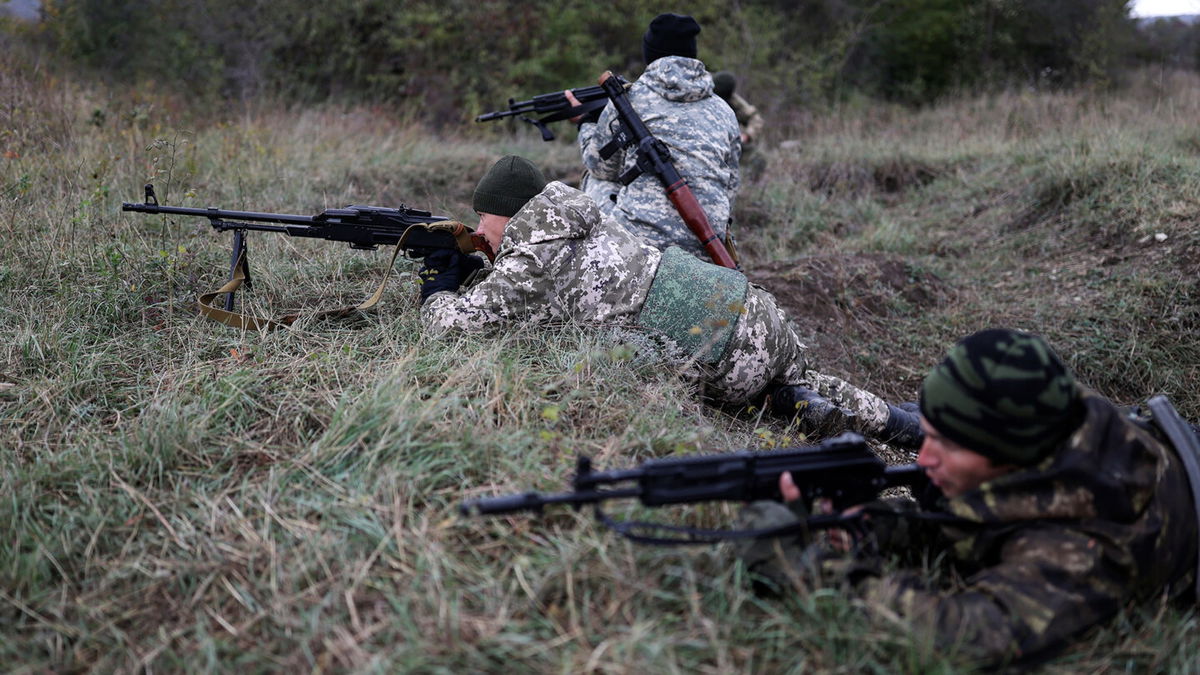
[(574, 104), (836, 539), (445, 270)]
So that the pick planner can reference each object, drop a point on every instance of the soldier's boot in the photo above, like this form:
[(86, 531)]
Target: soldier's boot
[(814, 413), (903, 427)]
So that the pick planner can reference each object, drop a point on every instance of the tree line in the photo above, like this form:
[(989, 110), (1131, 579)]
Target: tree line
[(459, 57)]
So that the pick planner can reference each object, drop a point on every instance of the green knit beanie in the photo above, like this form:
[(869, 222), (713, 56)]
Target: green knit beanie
[(1003, 394), (723, 84), (507, 186)]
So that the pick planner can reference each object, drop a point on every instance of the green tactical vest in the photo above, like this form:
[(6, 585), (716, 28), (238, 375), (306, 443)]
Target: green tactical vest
[(694, 303)]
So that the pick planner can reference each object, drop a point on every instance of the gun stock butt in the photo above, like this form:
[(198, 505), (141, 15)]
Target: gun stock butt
[(693, 215)]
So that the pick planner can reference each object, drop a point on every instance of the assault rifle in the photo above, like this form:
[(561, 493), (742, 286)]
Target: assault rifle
[(363, 227), (652, 155), (842, 469), (554, 106)]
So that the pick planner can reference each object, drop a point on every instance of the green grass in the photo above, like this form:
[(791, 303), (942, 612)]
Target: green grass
[(183, 496)]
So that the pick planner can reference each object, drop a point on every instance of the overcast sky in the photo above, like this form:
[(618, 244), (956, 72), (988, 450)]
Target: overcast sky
[(1165, 7)]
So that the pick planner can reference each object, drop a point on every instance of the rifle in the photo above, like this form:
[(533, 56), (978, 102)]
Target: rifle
[(363, 227), (654, 156), (842, 469), (554, 106)]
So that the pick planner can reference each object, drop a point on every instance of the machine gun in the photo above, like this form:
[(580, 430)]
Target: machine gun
[(842, 469), (554, 106), (363, 227)]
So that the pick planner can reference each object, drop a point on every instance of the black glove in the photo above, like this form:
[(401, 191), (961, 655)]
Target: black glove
[(445, 270)]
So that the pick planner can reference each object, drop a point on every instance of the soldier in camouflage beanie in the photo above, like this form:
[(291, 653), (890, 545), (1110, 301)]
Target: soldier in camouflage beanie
[(1003, 394), (1058, 509)]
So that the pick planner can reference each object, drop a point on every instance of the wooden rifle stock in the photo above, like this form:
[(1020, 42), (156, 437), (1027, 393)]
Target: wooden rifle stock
[(654, 156), (693, 216)]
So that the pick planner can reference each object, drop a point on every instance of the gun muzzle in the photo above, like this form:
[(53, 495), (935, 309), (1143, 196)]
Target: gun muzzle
[(491, 506)]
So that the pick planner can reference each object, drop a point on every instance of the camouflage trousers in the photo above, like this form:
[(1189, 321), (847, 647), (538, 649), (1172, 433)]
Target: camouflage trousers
[(765, 351)]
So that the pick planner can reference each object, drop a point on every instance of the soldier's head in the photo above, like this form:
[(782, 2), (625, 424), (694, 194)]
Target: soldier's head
[(723, 84), (503, 190), (670, 35), (1000, 400)]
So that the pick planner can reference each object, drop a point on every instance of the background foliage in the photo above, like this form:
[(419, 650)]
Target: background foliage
[(457, 57)]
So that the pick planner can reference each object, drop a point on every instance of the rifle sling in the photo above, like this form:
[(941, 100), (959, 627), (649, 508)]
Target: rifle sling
[(696, 535), (802, 528), (462, 238), (245, 321)]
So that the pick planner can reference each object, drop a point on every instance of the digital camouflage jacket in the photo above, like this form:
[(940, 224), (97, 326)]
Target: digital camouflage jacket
[(674, 97), (748, 118), (1054, 550), (561, 260)]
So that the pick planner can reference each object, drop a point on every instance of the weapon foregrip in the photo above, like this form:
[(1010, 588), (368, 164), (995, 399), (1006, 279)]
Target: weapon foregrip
[(528, 501)]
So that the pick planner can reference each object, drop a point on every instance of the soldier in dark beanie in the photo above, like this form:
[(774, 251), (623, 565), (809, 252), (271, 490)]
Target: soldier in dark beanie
[(670, 35), (1057, 509), (674, 97)]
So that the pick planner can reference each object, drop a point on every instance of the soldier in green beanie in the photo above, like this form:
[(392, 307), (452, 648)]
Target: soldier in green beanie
[(1053, 506), (559, 259)]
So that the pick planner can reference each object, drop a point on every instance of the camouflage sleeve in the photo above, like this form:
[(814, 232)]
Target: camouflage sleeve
[(1050, 585), (510, 293), (748, 117), (592, 137), (893, 527)]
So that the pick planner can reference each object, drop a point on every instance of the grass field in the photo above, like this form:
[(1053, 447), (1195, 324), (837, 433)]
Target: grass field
[(179, 495)]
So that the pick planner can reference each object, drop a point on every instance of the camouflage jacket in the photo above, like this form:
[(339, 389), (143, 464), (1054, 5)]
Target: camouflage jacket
[(562, 260), (1053, 550), (559, 260), (748, 118), (674, 97)]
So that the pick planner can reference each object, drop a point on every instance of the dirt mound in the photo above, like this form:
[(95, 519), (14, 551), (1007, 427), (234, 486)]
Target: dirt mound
[(818, 290), (852, 311), (888, 176)]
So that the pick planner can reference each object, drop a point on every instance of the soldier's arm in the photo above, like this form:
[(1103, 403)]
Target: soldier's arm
[(1050, 585), (592, 137), (893, 530), (515, 290), (748, 117)]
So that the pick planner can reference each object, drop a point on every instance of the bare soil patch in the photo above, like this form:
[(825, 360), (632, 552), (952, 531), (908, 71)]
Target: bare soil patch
[(854, 311)]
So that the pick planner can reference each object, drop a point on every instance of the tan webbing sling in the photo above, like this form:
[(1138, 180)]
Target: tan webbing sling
[(462, 236)]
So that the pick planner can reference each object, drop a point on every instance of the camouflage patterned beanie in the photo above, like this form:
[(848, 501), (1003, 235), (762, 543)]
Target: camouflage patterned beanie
[(670, 35), (507, 186), (723, 84), (1003, 394)]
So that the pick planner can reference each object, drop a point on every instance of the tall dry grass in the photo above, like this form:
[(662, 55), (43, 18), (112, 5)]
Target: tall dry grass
[(182, 496)]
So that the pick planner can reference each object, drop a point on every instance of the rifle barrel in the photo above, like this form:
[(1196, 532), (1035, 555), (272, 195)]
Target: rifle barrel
[(215, 213)]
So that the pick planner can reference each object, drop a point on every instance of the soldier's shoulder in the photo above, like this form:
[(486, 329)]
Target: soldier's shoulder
[(558, 212)]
